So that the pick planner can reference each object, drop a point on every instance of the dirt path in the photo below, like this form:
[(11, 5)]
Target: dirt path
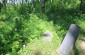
[(79, 48), (82, 46)]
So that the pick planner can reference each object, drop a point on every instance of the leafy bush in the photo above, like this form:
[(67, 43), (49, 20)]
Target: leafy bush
[(34, 27), (21, 29)]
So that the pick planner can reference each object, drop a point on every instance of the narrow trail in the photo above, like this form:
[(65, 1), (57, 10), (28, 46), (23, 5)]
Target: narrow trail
[(79, 48), (82, 46)]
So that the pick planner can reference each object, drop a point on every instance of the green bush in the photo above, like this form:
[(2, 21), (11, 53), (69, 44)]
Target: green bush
[(21, 29), (34, 27)]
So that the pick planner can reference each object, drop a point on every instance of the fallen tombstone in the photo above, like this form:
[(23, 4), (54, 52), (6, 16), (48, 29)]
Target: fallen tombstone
[(69, 40)]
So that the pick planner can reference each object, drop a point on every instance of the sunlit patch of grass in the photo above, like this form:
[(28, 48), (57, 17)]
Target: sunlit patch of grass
[(82, 24), (39, 47)]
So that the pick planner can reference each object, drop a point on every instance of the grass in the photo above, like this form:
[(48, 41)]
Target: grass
[(33, 25), (59, 28), (39, 48)]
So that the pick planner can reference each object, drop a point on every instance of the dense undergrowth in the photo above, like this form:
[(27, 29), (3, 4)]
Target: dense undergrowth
[(21, 29)]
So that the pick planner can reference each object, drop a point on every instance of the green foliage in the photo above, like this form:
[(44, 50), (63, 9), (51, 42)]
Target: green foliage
[(23, 9), (36, 27), (11, 11), (21, 28)]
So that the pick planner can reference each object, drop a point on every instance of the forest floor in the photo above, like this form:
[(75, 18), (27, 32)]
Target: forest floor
[(82, 46), (79, 48)]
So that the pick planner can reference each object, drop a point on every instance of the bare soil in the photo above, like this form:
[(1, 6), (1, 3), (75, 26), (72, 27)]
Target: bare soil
[(82, 46)]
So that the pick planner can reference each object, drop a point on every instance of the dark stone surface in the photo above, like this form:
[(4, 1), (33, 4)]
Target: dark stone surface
[(69, 40)]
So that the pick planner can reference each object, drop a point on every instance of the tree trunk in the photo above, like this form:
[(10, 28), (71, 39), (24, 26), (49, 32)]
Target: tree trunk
[(43, 5), (33, 5), (4, 5), (1, 5), (82, 6)]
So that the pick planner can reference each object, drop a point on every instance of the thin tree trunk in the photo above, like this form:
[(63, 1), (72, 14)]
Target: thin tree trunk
[(43, 5), (4, 5), (82, 6), (1, 5), (33, 5)]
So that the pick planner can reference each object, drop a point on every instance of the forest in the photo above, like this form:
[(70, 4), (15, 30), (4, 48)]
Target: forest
[(25, 23)]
